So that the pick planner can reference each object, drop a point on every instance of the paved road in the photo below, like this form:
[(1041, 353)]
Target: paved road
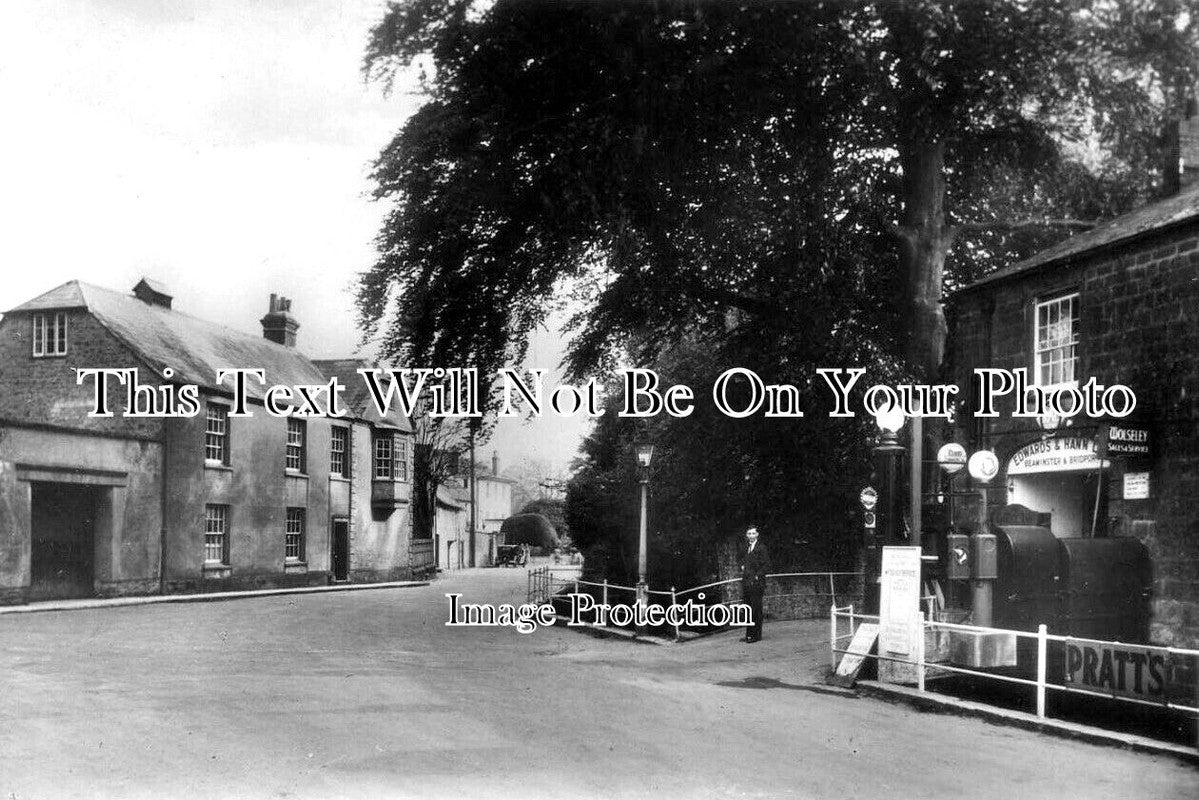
[(367, 694)]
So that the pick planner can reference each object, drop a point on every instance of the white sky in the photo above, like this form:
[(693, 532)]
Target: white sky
[(220, 146)]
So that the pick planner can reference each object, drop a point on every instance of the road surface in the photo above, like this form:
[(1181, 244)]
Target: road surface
[(367, 694)]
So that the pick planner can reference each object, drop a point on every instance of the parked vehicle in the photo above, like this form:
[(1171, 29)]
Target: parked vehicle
[(511, 555)]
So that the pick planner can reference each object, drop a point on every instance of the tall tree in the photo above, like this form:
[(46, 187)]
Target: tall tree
[(668, 162)]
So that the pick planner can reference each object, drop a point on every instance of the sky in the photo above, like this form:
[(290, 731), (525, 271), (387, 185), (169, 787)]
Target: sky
[(222, 147)]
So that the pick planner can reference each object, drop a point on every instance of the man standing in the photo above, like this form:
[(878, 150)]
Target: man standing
[(754, 566)]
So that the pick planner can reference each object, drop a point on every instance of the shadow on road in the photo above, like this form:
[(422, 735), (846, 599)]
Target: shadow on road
[(760, 682)]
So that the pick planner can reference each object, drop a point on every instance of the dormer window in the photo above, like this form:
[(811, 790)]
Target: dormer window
[(50, 334)]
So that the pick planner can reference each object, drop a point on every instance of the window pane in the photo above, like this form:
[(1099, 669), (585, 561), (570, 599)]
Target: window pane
[(1055, 357), (383, 459), (337, 451), (215, 533), (60, 334), (295, 445), (215, 434), (293, 542)]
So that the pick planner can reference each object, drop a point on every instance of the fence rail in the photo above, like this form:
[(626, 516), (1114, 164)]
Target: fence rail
[(1040, 683), (544, 585)]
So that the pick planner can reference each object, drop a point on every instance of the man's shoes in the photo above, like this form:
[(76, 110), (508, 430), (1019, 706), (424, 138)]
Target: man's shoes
[(751, 639)]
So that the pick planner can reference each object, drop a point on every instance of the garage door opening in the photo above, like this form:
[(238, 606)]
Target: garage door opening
[(64, 541)]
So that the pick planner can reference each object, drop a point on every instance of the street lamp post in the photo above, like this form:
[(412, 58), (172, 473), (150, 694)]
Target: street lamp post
[(645, 453), (888, 456)]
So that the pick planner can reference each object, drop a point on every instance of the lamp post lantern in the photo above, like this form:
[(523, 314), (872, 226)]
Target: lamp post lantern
[(645, 454)]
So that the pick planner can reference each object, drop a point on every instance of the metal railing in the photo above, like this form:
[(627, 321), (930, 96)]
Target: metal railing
[(1040, 683), (544, 585)]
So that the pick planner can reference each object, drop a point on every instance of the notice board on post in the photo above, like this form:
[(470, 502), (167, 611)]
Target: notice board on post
[(899, 614)]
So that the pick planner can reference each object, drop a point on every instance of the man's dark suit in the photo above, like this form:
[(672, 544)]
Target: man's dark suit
[(754, 567)]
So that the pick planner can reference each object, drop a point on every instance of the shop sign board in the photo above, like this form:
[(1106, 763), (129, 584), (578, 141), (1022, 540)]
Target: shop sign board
[(1128, 441), (1136, 485), (1125, 670), (899, 614), (951, 457), (983, 466), (899, 607), (1057, 454)]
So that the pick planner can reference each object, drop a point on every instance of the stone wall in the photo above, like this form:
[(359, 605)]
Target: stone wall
[(1139, 326)]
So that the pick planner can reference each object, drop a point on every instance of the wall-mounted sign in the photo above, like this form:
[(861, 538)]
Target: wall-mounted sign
[(1143, 672), (1127, 441), (1136, 485), (868, 498), (983, 466), (1056, 454), (951, 457)]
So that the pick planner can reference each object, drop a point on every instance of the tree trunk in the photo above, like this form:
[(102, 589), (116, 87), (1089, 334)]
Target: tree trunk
[(925, 241)]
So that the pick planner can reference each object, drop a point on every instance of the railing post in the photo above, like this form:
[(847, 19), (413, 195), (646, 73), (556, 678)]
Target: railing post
[(832, 590), (920, 656), (605, 591), (674, 601), (832, 635), (1042, 639)]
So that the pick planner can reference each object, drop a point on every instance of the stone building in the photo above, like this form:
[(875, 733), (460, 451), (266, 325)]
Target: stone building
[(459, 508), (1120, 304), (213, 501)]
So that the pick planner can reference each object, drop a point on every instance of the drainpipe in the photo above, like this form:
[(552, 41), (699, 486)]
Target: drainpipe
[(162, 505), (474, 497)]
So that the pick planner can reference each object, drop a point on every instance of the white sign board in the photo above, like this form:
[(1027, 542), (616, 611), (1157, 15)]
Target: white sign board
[(983, 466), (1136, 485), (859, 648), (1061, 454), (899, 604), (951, 457)]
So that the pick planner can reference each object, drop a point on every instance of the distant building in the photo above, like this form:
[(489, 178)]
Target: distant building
[(493, 495), (137, 505)]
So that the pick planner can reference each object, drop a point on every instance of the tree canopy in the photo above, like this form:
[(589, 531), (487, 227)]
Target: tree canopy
[(660, 165)]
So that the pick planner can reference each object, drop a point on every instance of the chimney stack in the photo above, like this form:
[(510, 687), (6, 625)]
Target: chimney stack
[(1182, 150), (152, 293), (279, 325)]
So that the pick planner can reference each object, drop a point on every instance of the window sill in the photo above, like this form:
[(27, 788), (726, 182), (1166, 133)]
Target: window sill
[(295, 566), (218, 466), (294, 473), (339, 478), (217, 570)]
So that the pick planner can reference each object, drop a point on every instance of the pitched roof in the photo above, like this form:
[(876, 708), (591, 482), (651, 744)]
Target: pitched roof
[(1180, 208), (194, 348), (357, 397), (450, 499), (69, 295)]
